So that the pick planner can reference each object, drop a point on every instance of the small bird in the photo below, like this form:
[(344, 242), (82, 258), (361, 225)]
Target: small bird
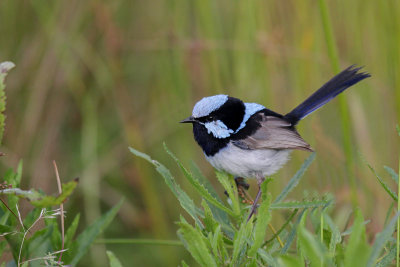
[(248, 140)]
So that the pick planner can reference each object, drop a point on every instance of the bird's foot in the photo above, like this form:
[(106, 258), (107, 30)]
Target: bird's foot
[(242, 188), (241, 182)]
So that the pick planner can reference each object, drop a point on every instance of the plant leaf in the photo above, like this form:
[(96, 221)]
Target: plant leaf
[(114, 261), (290, 261), (357, 249), (69, 235), (41, 200), (383, 184), (380, 241), (293, 232), (263, 218), (197, 185), (336, 237), (230, 187), (240, 242), (218, 214), (81, 245), (186, 202), (393, 174), (195, 243), (5, 67), (312, 248), (296, 178), (299, 204)]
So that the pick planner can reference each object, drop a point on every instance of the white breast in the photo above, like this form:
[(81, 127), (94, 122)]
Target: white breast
[(249, 163)]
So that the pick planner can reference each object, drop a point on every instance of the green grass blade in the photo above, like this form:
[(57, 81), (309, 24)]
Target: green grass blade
[(311, 247), (113, 260), (139, 241), (289, 219), (186, 202), (392, 173), (398, 210), (336, 237), (198, 186), (381, 240), (296, 178), (240, 243), (290, 261), (263, 218), (357, 249), (343, 107), (219, 215), (69, 235), (292, 234), (195, 243), (383, 184), (299, 204), (88, 236)]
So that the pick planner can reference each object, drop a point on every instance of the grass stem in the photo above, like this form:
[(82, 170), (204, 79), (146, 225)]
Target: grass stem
[(344, 110), (398, 218)]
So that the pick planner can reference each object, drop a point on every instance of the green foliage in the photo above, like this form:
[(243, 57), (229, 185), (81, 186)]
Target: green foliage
[(81, 245), (236, 242), (44, 244), (5, 67), (114, 261), (29, 243)]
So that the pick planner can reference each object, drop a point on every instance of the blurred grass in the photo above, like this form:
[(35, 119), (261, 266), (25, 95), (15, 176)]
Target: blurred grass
[(93, 77)]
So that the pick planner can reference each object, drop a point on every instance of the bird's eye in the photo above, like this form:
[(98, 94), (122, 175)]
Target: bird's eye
[(210, 118)]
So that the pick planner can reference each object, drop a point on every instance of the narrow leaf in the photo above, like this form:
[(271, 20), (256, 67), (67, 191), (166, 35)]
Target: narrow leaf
[(383, 184), (69, 235), (240, 242), (195, 243), (296, 178), (392, 173), (81, 245), (381, 240), (197, 185), (336, 237), (5, 67), (114, 261), (293, 232), (312, 248), (230, 187), (219, 215), (299, 205), (186, 202), (263, 218), (357, 250)]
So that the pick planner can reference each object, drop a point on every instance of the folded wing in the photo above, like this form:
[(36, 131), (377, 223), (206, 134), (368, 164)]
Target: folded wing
[(274, 133)]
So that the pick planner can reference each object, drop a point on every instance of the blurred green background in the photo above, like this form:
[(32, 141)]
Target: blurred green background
[(94, 77)]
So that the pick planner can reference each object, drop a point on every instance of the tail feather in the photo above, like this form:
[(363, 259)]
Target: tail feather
[(328, 91)]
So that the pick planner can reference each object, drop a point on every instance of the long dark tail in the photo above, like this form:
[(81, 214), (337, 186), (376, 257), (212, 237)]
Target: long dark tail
[(328, 91)]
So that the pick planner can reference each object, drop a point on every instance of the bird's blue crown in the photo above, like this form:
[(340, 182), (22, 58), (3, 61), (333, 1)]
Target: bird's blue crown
[(208, 104)]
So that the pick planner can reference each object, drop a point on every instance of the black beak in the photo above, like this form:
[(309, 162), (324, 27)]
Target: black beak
[(188, 120)]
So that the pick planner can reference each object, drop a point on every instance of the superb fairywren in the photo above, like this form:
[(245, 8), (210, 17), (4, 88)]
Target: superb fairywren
[(251, 141)]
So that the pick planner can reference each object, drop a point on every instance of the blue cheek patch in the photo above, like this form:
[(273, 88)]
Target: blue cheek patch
[(251, 109), (218, 129)]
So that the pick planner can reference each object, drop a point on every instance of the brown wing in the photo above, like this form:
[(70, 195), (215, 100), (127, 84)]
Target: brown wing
[(275, 133)]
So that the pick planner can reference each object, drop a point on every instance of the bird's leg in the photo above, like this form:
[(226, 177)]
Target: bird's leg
[(260, 180)]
